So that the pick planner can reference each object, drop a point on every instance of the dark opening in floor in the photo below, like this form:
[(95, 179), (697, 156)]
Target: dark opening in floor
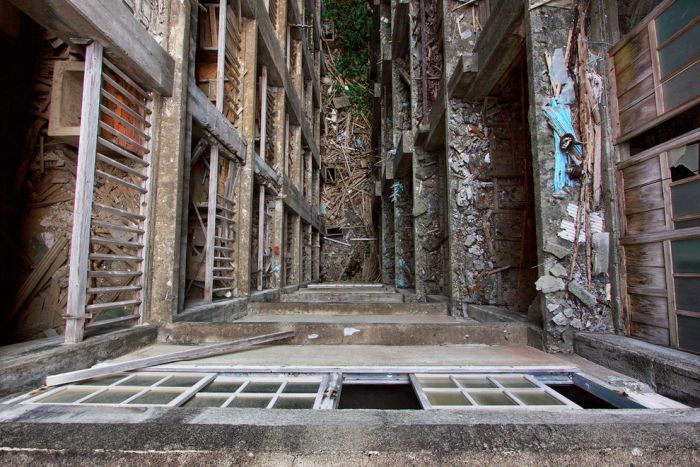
[(582, 397), (379, 396)]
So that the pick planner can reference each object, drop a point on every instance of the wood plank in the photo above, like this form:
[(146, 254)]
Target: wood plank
[(644, 198), (651, 334), (649, 310), (632, 51), (638, 115), (646, 276), (637, 93), (129, 45), (657, 236), (84, 183), (189, 354), (646, 222), (644, 173), (648, 254)]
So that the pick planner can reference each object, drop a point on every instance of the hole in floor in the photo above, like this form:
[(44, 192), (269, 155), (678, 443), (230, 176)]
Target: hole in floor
[(379, 396), (581, 397)]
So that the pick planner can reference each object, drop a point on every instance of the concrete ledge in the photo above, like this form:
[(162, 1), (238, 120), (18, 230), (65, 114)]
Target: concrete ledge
[(287, 308), (670, 372), (54, 435), (217, 312), (264, 296), (28, 371), (331, 333), (491, 313)]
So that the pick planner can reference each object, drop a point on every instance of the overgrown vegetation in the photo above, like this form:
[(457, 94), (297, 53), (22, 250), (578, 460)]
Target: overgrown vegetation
[(352, 20)]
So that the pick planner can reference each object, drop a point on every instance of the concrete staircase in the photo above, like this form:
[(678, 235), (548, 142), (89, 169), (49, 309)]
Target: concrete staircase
[(354, 314)]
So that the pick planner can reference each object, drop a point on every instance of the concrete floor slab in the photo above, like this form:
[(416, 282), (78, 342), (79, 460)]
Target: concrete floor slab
[(350, 319), (369, 356)]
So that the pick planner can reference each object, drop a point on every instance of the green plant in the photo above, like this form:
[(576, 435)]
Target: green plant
[(352, 21)]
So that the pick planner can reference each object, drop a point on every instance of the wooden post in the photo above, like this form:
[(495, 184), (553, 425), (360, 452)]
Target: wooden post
[(221, 55), (263, 113), (84, 182), (261, 236), (210, 251)]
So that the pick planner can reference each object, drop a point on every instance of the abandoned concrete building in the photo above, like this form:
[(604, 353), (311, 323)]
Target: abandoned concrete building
[(455, 232)]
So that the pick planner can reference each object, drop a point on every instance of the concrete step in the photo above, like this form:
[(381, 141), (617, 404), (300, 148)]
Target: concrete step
[(353, 330), (342, 297), (343, 290), (291, 308), (349, 285)]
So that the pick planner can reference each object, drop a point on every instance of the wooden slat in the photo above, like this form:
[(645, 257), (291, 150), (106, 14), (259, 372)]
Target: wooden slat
[(125, 122), (139, 102), (691, 232), (110, 322), (110, 257), (118, 165), (649, 310), (122, 152), (189, 354), (648, 254), (119, 212), (638, 115), (130, 141), (115, 289), (646, 222), (115, 242), (85, 178), (644, 173), (120, 181), (114, 273), (112, 67), (125, 228), (644, 198), (637, 47), (211, 218), (637, 93), (646, 276), (652, 334), (111, 305), (126, 108)]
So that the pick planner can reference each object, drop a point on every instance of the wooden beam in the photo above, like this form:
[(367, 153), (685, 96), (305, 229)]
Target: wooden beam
[(84, 183), (399, 31), (403, 159), (296, 202), (498, 46), (128, 45), (204, 112), (188, 354), (463, 75), (221, 56)]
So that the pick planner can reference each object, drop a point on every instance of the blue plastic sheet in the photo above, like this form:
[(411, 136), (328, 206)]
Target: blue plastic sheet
[(560, 117)]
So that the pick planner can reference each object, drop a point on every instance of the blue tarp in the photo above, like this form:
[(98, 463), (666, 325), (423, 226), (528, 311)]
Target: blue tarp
[(560, 116)]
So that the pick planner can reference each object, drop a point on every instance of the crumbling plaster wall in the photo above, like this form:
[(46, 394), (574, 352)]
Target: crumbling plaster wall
[(563, 312)]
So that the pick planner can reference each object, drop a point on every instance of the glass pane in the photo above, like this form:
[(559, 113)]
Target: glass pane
[(689, 333), (687, 293), (294, 403), (181, 381), (686, 255), (681, 88), (106, 381), (447, 398), (679, 52), (156, 397), (302, 387), (515, 382), (111, 396), (439, 382), (685, 198), (142, 380), (687, 224), (675, 17), (491, 398), (199, 401), (251, 402), (536, 398), (684, 161), (262, 387), (67, 395), (222, 386), (478, 383)]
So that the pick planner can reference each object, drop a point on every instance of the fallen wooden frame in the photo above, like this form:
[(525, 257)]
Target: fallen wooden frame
[(189, 354)]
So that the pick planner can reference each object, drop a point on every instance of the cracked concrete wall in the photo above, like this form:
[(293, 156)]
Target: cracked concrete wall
[(168, 156)]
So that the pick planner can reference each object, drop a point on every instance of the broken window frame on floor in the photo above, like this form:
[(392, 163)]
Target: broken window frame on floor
[(115, 135), (512, 386)]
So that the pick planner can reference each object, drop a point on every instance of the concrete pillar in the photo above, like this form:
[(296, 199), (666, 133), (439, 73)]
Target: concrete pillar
[(244, 192), (168, 156), (547, 29)]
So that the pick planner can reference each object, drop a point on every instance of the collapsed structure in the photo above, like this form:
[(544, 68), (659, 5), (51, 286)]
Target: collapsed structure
[(531, 193)]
